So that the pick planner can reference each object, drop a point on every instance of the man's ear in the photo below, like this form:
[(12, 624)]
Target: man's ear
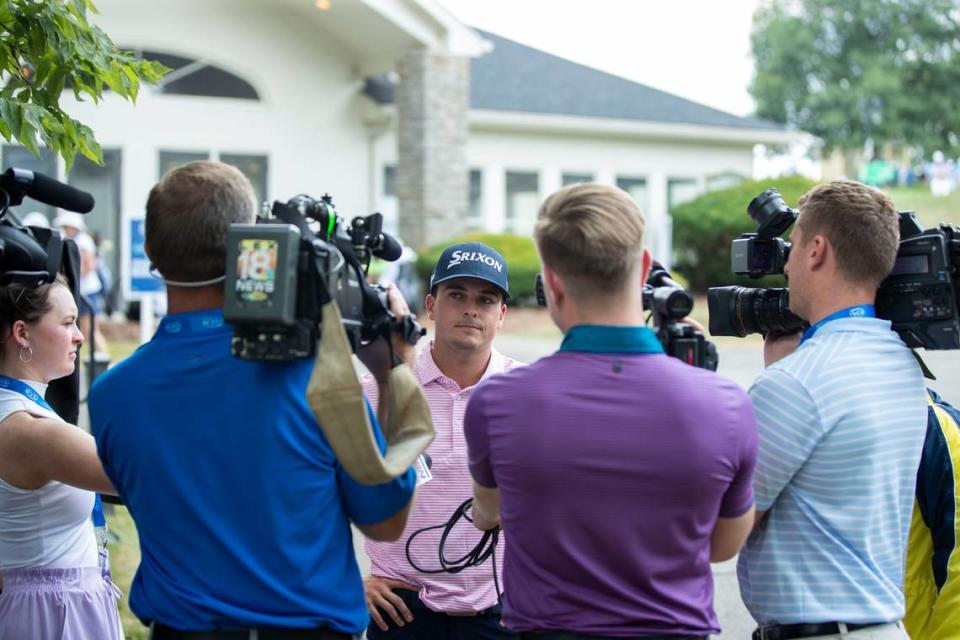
[(646, 260), (429, 302), (553, 286), (817, 251)]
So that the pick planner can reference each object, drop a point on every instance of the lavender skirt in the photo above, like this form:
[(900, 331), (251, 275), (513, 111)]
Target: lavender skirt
[(59, 604)]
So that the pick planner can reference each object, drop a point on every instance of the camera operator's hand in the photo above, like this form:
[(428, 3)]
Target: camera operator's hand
[(777, 347), (380, 596), (696, 325), (376, 355)]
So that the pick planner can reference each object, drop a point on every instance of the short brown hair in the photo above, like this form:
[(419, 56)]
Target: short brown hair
[(861, 224), (188, 215), (592, 235)]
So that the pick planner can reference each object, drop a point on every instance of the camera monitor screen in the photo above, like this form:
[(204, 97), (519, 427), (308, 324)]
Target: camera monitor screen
[(256, 269), (261, 273), (919, 263)]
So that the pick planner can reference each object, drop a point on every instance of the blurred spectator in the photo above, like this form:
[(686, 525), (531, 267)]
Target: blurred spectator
[(36, 219), (91, 287)]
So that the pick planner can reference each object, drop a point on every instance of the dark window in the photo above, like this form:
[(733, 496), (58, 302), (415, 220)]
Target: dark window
[(522, 201), (390, 181), (189, 77), (212, 82), (254, 167), (173, 159), (575, 178), (475, 208)]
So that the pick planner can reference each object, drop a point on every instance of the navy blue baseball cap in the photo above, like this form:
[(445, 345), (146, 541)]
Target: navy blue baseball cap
[(471, 260)]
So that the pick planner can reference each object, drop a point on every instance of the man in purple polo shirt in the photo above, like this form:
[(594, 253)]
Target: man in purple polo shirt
[(620, 473)]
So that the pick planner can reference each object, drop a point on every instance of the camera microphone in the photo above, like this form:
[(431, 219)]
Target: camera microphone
[(387, 248), (48, 190)]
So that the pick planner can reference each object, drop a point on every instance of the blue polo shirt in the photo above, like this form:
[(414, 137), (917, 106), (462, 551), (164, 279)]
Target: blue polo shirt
[(842, 422), (243, 511), (613, 462)]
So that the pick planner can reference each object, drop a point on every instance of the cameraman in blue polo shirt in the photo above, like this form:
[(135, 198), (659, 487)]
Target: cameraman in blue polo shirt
[(241, 506)]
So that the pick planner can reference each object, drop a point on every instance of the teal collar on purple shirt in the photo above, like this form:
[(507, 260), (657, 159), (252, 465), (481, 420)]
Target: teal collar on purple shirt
[(595, 338)]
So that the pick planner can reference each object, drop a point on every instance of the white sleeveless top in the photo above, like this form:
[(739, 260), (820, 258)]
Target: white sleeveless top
[(47, 527)]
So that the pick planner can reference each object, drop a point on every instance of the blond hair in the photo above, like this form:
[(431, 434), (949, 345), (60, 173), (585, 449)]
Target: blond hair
[(592, 235), (861, 224)]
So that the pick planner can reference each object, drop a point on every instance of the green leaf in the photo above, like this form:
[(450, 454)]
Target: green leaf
[(28, 138), (10, 114)]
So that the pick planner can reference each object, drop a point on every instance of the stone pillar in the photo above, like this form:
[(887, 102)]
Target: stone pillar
[(432, 126)]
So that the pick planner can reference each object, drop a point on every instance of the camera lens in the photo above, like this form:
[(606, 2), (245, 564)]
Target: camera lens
[(740, 311)]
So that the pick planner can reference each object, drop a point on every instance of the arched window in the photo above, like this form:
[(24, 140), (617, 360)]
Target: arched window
[(189, 77)]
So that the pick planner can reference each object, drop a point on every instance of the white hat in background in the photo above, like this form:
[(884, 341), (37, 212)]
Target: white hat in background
[(36, 219), (70, 219)]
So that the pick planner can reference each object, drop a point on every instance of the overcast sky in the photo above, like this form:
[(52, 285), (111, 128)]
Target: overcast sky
[(698, 49)]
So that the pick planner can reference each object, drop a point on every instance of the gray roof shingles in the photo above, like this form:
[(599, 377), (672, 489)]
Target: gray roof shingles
[(515, 77)]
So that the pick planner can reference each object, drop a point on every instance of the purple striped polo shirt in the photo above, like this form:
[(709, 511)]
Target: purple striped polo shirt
[(613, 463)]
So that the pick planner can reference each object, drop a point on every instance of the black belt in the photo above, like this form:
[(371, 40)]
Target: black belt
[(563, 635), (806, 630), (163, 632)]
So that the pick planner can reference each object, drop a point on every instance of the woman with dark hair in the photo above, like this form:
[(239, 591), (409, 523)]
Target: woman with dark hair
[(55, 580)]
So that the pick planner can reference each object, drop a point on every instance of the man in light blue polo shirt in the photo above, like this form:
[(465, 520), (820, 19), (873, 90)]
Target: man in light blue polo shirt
[(842, 419)]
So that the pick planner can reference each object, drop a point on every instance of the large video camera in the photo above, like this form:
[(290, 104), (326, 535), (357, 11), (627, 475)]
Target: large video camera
[(668, 304), (284, 269), (919, 296), (33, 256)]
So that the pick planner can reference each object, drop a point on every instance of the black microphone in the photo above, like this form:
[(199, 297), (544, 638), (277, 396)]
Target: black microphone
[(46, 189), (388, 248)]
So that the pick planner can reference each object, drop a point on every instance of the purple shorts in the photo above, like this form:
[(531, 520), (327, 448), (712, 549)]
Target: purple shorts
[(59, 604)]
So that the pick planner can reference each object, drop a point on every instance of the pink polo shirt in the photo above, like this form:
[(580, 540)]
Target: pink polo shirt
[(436, 500)]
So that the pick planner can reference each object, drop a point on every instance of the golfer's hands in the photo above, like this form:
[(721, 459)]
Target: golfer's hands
[(381, 598)]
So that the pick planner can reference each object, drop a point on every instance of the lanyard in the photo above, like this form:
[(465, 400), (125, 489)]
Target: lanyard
[(18, 386), (858, 311)]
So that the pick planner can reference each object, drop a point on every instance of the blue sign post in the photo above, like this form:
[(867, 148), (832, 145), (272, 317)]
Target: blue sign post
[(140, 279), (142, 283)]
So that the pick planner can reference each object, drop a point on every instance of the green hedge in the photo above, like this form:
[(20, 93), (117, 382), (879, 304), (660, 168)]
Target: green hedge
[(703, 229), (523, 263)]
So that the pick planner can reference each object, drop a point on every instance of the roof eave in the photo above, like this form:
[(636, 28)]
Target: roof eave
[(514, 121)]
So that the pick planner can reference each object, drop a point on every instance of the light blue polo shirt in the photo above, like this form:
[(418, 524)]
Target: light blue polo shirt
[(841, 423)]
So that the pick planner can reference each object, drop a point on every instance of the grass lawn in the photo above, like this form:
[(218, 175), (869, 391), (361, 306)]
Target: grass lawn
[(124, 559), (930, 210)]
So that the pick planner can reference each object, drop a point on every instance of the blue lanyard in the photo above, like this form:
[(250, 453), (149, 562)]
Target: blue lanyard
[(858, 311), (18, 386)]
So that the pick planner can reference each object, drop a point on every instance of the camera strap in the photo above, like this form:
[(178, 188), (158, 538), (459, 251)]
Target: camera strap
[(335, 396)]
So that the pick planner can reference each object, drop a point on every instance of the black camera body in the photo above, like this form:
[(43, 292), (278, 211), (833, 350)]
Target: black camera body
[(281, 273), (668, 303), (919, 297), (921, 293)]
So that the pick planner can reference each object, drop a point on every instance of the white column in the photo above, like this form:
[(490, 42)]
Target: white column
[(549, 181), (657, 222), (494, 198), (605, 176)]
